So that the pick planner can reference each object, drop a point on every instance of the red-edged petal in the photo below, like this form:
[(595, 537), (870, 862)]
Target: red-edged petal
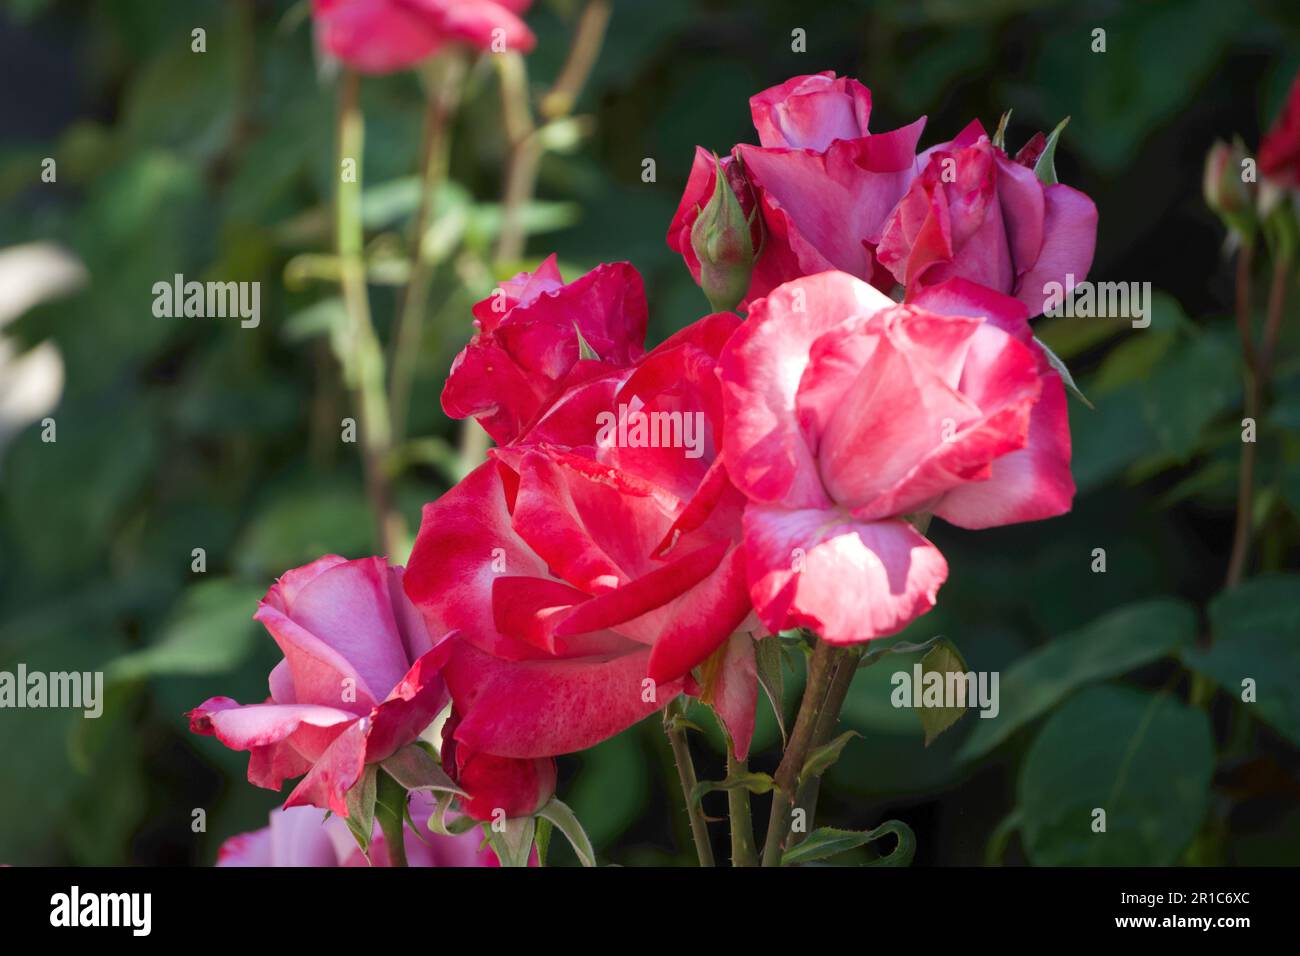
[(465, 543), (545, 708), (1069, 240), (733, 691), (1025, 485), (766, 453), (696, 623), (334, 772), (848, 581)]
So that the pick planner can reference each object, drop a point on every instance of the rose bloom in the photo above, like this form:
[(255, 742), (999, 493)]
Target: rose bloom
[(309, 836), (584, 573), (822, 183), (380, 36), (847, 413), (359, 680), (515, 787), (527, 351), (975, 213), (1279, 150)]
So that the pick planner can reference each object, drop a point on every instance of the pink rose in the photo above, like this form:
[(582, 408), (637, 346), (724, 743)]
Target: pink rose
[(530, 343), (359, 679), (515, 787), (309, 836), (847, 413), (380, 36), (822, 183), (1279, 150), (587, 572), (974, 213)]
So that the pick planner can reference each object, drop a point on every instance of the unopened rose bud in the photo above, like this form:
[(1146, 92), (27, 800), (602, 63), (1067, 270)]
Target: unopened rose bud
[(1229, 185), (723, 241)]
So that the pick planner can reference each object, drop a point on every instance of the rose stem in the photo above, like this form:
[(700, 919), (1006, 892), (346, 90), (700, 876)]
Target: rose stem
[(443, 95), (366, 357), (796, 752), (1257, 372), (686, 774)]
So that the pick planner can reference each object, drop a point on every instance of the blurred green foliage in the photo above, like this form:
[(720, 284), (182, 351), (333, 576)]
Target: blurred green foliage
[(177, 434)]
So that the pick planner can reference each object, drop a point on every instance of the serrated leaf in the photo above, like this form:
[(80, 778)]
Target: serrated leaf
[(1145, 760), (566, 821), (824, 757), (752, 781), (1114, 643), (416, 769), (898, 647), (1045, 168), (361, 808), (942, 659), (767, 661), (827, 841), (1256, 628), (1064, 372)]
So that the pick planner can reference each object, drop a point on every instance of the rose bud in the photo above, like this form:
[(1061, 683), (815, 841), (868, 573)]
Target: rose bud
[(1226, 192), (723, 241), (515, 786)]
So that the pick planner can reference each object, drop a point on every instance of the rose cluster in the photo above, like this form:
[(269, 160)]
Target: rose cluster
[(770, 472)]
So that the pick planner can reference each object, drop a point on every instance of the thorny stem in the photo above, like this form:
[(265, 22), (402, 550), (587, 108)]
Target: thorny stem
[(743, 850), (443, 97), (1257, 371), (686, 774), (587, 41), (364, 363), (845, 667), (820, 669), (526, 154)]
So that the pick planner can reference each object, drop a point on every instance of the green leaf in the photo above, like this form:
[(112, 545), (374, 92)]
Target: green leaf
[(767, 660), (1064, 372), (557, 813), (438, 822), (942, 659), (361, 808), (1115, 643), (513, 844), (1144, 759), (752, 781), (827, 841), (210, 632), (1045, 167), (1256, 637), (416, 769), (1196, 381), (391, 812), (585, 351), (542, 839), (1000, 134), (824, 757), (898, 647)]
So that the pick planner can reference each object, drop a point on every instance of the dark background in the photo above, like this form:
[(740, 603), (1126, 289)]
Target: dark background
[(175, 434)]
